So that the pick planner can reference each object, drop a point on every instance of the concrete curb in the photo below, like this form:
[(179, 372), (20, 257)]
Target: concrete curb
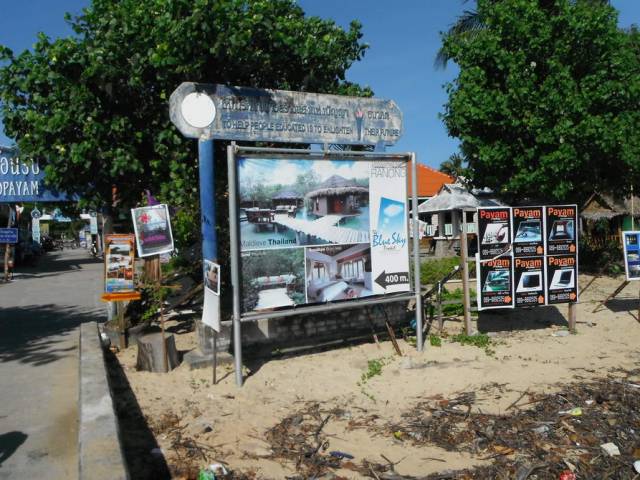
[(99, 450)]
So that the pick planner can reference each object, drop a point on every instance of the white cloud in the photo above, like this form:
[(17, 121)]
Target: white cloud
[(325, 169), (392, 210)]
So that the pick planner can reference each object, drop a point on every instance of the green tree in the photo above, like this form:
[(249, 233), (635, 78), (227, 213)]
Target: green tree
[(546, 101), (93, 108), (454, 167)]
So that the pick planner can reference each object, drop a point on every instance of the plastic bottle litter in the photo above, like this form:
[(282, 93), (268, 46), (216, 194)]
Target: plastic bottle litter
[(206, 475), (574, 412), (541, 430), (610, 449), (156, 452), (341, 455), (211, 471), (218, 468), (561, 333), (567, 475), (636, 466)]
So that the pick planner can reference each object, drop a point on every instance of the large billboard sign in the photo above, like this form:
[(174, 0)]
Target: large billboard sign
[(23, 181), (317, 230), (242, 113), (631, 246), (528, 256)]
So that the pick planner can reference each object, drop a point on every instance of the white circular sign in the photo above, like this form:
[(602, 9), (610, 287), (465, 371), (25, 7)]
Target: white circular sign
[(198, 110)]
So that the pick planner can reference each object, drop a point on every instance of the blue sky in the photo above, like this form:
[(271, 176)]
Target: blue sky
[(403, 35)]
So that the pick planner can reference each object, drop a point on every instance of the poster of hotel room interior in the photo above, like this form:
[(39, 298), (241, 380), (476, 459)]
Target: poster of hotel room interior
[(338, 272)]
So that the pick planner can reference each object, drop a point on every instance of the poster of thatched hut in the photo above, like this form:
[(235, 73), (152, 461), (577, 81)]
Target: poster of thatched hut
[(301, 202), (338, 196)]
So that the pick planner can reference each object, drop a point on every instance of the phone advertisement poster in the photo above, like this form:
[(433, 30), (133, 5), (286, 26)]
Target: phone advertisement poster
[(561, 230), (527, 231), (494, 231), (495, 283), (562, 279), (529, 281)]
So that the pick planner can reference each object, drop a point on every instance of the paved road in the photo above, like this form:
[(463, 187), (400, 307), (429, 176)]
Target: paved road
[(40, 312)]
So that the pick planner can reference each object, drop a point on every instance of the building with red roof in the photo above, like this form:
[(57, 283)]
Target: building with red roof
[(430, 181)]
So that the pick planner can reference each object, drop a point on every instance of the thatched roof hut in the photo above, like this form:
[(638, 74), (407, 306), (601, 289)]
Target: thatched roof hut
[(337, 185), (457, 197), (287, 195), (600, 205)]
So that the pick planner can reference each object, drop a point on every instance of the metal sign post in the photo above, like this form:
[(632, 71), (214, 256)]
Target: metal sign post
[(235, 267), (206, 165), (465, 274), (416, 253)]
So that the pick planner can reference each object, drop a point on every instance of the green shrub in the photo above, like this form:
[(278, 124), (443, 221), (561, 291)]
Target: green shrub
[(432, 271), (457, 294), (608, 259), (480, 340)]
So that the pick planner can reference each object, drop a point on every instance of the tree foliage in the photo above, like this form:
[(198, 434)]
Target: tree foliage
[(454, 166), (546, 103), (93, 108)]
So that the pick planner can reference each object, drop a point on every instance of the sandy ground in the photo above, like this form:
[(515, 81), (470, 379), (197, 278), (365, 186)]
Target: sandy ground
[(527, 356)]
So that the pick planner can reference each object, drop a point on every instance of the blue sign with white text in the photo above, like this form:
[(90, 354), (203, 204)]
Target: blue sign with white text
[(23, 181), (8, 235)]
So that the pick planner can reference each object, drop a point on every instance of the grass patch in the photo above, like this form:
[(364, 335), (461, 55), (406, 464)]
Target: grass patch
[(374, 368), (435, 340), (455, 309), (480, 340)]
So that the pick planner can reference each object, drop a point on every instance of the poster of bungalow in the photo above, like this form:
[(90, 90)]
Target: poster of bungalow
[(289, 203), (304, 231)]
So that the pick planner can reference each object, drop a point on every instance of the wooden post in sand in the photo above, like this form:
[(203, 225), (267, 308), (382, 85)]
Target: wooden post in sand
[(573, 307), (153, 274)]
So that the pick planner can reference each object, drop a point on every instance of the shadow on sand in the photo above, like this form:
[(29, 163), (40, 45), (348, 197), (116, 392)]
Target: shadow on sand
[(137, 438), (507, 320), (9, 443)]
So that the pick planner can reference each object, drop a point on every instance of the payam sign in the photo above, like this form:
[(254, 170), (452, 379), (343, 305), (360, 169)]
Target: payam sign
[(23, 181)]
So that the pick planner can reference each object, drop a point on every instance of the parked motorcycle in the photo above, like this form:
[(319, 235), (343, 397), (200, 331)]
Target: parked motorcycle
[(94, 248)]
